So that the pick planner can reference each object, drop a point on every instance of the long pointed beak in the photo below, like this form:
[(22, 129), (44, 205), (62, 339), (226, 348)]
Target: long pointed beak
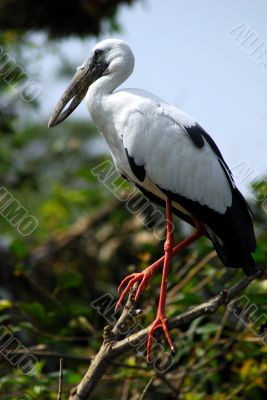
[(76, 91)]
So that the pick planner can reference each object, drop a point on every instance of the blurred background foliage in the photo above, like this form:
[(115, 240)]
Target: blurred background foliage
[(87, 241), (61, 18)]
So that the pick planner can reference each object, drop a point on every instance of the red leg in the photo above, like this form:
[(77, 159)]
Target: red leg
[(145, 276), (161, 319)]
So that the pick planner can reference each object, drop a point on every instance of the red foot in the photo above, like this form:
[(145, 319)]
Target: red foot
[(160, 322), (144, 277), (148, 273)]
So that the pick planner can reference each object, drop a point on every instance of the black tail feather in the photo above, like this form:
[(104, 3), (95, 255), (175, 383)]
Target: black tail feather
[(233, 257), (232, 233)]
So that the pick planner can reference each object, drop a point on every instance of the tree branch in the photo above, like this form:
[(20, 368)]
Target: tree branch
[(115, 345), (60, 379)]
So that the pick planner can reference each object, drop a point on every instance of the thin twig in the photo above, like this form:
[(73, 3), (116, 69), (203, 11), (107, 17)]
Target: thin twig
[(192, 273), (167, 383), (125, 389), (220, 330), (47, 354), (146, 388), (60, 379)]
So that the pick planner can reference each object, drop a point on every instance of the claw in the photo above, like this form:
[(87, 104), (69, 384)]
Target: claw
[(160, 322), (124, 281), (130, 280), (143, 285), (126, 290)]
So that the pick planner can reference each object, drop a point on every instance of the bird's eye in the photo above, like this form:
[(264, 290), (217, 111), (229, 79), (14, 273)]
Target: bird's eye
[(98, 53)]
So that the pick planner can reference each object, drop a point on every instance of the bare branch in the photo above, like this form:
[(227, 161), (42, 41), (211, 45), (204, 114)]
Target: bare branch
[(147, 388), (60, 379), (114, 346)]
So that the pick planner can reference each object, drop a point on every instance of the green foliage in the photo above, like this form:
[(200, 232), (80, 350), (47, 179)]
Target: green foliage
[(60, 19)]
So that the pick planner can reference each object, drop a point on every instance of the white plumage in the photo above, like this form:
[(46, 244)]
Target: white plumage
[(162, 150), (170, 158), (154, 134), (160, 143)]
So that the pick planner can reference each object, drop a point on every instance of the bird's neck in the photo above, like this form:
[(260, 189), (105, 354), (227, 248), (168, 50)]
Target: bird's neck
[(104, 86), (99, 92)]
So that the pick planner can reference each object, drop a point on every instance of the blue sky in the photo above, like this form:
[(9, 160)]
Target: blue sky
[(185, 54)]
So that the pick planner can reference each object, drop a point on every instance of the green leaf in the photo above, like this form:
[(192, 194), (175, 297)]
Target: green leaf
[(210, 327), (18, 248), (71, 377), (76, 310), (190, 299), (35, 310), (260, 254), (70, 279)]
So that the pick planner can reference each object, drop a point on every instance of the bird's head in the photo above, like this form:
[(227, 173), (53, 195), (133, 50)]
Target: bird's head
[(110, 57)]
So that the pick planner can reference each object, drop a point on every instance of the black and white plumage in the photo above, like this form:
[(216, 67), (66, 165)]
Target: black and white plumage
[(185, 163), (163, 151)]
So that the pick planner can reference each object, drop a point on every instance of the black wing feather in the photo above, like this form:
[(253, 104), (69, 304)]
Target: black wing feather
[(138, 170)]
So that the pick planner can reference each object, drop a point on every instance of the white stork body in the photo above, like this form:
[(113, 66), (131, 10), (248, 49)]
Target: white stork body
[(169, 157), (154, 135), (164, 151)]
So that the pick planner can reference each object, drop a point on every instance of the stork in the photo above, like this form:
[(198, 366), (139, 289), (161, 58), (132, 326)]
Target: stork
[(170, 158)]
